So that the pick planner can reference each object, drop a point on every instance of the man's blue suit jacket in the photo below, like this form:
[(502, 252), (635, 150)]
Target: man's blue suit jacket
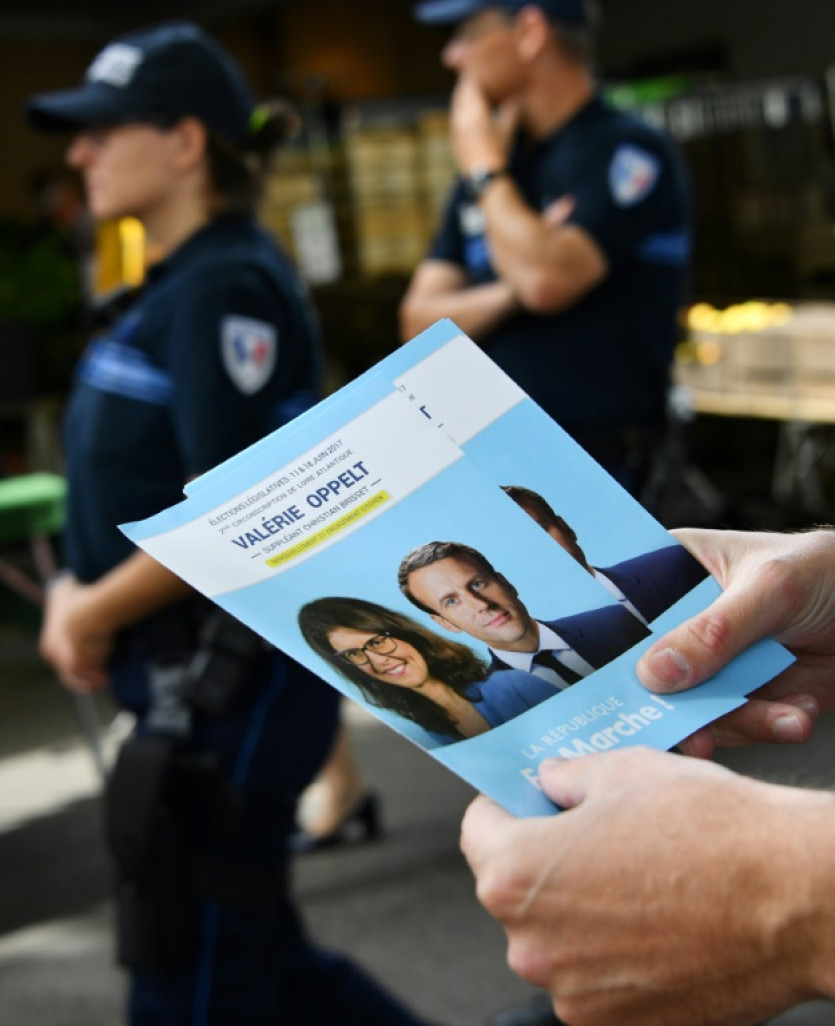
[(655, 580), (598, 635)]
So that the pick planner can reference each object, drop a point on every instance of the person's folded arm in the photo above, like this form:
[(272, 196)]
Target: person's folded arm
[(548, 264), (440, 289), (548, 267)]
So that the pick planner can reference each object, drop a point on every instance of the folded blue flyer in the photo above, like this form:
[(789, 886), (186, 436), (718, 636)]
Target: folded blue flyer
[(433, 545)]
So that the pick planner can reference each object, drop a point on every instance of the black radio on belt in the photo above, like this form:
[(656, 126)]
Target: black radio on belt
[(222, 672)]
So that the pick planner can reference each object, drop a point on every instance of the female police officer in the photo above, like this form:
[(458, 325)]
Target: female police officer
[(217, 349)]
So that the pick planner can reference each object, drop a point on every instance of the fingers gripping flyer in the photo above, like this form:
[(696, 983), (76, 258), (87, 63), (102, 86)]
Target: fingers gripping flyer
[(434, 546)]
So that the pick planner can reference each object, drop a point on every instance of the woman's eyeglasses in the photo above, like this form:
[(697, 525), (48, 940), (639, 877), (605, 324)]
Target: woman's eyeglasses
[(380, 644)]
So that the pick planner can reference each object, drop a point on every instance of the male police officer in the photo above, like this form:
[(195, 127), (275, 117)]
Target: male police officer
[(564, 245)]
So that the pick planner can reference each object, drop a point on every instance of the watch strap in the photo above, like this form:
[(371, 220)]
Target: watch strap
[(478, 179)]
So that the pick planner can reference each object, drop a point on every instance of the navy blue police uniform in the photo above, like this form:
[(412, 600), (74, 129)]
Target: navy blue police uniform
[(219, 347), (601, 367)]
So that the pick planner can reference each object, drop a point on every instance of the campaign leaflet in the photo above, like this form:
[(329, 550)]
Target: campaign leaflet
[(518, 445), (303, 535)]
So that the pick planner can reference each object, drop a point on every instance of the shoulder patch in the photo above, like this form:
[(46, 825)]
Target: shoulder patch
[(249, 349), (633, 173)]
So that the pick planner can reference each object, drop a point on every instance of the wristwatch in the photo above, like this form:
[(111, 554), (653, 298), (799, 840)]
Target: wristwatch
[(479, 178)]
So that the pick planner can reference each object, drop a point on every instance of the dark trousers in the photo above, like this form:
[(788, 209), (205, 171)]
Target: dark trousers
[(252, 963)]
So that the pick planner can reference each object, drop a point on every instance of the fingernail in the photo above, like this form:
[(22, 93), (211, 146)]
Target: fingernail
[(551, 762), (788, 729), (805, 702), (668, 667)]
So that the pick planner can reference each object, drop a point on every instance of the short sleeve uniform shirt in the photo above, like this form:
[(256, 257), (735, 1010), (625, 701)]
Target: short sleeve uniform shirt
[(604, 362), (219, 348)]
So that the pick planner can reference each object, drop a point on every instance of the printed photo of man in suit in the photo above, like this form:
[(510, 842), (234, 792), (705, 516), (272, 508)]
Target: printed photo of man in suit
[(461, 590), (646, 585)]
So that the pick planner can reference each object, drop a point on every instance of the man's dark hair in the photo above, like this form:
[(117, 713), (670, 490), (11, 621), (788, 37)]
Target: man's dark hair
[(433, 552), (528, 497)]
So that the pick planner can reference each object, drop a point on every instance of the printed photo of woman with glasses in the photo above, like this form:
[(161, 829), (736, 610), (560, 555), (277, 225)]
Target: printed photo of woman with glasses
[(401, 666)]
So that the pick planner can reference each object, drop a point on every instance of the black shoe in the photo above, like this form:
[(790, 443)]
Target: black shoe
[(361, 824), (537, 1012)]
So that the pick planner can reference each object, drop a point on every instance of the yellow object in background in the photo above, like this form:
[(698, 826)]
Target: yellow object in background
[(121, 256), (753, 315)]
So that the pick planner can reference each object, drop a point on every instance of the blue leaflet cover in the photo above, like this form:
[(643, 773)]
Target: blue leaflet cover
[(329, 506)]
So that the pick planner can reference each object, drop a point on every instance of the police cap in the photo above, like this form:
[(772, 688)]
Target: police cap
[(447, 12), (153, 75)]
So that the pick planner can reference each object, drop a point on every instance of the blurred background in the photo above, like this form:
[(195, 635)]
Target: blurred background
[(746, 88)]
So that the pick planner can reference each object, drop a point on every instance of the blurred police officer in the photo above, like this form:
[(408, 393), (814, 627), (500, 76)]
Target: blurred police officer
[(218, 348), (564, 246)]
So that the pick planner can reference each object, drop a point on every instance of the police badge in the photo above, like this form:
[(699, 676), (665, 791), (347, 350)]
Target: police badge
[(632, 174), (249, 349)]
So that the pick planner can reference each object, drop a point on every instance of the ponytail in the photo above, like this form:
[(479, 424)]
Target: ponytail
[(238, 172)]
